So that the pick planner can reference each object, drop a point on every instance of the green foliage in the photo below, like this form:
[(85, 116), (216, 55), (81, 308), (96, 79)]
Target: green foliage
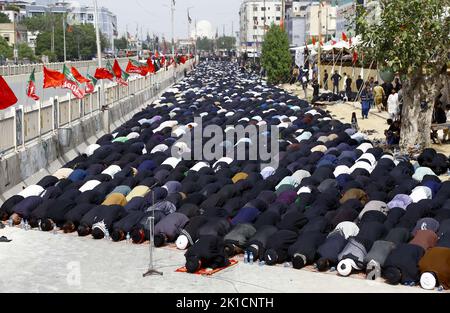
[(226, 42), (4, 18), (25, 52), (121, 43), (12, 7), (5, 50), (205, 44), (276, 58), (412, 36), (80, 39), (42, 22), (223, 43)]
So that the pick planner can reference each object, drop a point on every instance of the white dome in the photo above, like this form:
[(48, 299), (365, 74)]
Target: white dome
[(204, 29)]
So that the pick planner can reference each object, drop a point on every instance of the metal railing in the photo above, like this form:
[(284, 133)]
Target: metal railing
[(11, 70), (23, 125)]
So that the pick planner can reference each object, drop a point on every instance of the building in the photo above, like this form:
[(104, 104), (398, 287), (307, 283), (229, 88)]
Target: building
[(327, 15), (13, 33), (346, 11), (14, 10), (302, 21), (255, 17), (202, 29), (77, 14)]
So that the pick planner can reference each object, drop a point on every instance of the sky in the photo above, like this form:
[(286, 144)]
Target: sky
[(154, 15)]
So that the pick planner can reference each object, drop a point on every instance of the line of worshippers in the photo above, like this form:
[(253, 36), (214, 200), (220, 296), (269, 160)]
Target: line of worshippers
[(334, 201)]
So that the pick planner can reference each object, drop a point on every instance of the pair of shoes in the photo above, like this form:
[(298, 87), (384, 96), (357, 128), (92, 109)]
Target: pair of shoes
[(4, 239)]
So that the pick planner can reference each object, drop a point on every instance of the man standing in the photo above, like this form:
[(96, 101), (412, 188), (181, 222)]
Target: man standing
[(344, 87), (359, 83), (325, 80), (378, 93), (348, 88), (393, 105), (336, 79)]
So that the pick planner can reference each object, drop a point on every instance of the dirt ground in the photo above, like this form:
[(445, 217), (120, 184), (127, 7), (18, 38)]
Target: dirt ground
[(377, 122)]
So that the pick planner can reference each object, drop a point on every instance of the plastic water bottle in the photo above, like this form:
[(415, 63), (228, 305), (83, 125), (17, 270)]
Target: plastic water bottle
[(128, 238), (246, 257), (55, 230), (107, 235), (39, 224), (26, 225), (22, 224), (251, 259), (10, 222)]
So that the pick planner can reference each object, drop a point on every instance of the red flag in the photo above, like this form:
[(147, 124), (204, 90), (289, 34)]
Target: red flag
[(182, 59), (151, 67), (134, 67), (355, 57), (314, 41), (344, 37), (72, 84), (117, 70), (103, 73), (144, 71), (90, 86), (31, 88), (80, 78), (7, 96), (53, 78), (157, 54), (163, 61)]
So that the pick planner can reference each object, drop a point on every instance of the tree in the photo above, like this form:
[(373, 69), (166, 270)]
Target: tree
[(121, 43), (205, 44), (25, 52), (276, 58), (4, 18), (80, 39), (5, 50), (226, 43), (410, 38)]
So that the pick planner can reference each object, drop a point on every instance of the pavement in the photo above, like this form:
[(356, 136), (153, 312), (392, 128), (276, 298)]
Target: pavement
[(19, 83), (35, 261), (45, 262)]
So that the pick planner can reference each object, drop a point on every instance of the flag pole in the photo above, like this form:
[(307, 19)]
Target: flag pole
[(172, 10), (99, 58), (64, 33), (319, 58)]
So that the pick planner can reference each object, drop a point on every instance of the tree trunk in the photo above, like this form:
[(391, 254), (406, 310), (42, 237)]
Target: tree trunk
[(417, 118)]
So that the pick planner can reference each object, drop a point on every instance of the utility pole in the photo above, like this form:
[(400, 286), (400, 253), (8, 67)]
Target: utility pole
[(283, 12), (172, 10)]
